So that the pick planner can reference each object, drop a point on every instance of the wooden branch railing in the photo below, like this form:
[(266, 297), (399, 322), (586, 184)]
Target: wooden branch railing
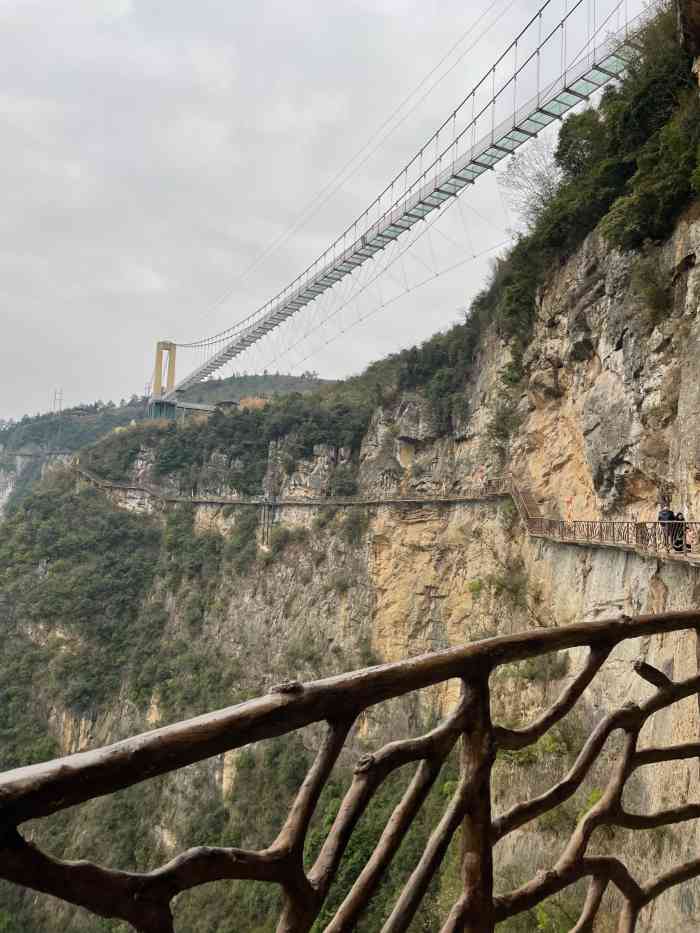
[(144, 899)]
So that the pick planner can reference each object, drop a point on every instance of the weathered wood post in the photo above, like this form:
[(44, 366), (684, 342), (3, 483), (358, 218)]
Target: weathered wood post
[(473, 913), (477, 863)]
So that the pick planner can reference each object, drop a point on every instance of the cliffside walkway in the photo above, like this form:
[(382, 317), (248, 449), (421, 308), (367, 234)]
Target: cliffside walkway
[(650, 539), (36, 454)]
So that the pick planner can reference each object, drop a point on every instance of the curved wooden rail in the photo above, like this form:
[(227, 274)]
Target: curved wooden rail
[(144, 899)]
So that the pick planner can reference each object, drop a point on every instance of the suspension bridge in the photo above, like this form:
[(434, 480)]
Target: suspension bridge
[(565, 54)]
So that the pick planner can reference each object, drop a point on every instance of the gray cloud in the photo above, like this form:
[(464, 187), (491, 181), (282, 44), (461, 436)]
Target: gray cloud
[(150, 150)]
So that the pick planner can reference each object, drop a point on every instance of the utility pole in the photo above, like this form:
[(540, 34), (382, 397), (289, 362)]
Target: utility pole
[(57, 404), (57, 409)]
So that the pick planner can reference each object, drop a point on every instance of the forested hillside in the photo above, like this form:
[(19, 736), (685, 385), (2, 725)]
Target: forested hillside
[(253, 385), (75, 428)]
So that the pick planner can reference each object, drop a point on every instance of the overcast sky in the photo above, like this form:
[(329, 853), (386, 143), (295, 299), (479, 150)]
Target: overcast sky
[(151, 150)]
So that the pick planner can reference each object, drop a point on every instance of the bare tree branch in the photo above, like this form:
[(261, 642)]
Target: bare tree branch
[(522, 813), (546, 884), (651, 674), (42, 789), (141, 899), (369, 774), (690, 811), (654, 754), (301, 900), (531, 179), (361, 892), (293, 834), (625, 718), (475, 778), (669, 879)]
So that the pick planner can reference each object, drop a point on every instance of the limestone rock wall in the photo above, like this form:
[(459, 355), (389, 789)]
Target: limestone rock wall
[(622, 426), (445, 578), (24, 462)]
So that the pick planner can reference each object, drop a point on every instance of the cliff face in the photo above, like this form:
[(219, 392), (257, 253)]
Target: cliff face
[(24, 468), (613, 397), (606, 419), (7, 485), (607, 416), (10, 472)]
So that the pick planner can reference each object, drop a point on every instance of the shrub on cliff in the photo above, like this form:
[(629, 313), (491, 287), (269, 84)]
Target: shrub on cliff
[(114, 456), (344, 481), (662, 183), (189, 555), (241, 438)]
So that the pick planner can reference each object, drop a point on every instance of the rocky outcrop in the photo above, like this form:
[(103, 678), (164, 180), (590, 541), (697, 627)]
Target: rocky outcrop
[(299, 477), (28, 461), (7, 485), (612, 386)]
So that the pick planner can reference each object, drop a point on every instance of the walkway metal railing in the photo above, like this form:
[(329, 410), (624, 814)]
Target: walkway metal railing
[(143, 899), (668, 539), (486, 489)]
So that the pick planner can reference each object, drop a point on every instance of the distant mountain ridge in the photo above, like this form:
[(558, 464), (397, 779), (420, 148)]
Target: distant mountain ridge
[(234, 388)]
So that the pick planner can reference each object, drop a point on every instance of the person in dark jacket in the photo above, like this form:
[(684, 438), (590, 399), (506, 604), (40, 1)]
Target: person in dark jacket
[(666, 517), (679, 531)]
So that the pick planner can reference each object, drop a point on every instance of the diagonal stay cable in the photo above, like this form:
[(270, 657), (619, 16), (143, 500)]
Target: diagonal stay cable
[(418, 157), (390, 263), (375, 279), (396, 298)]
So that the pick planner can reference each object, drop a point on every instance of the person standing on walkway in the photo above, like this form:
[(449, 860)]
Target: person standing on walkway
[(666, 518), (679, 534)]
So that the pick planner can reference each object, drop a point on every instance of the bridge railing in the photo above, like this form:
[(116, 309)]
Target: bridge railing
[(143, 900)]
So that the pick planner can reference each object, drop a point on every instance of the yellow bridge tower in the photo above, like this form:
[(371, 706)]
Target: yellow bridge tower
[(163, 348)]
